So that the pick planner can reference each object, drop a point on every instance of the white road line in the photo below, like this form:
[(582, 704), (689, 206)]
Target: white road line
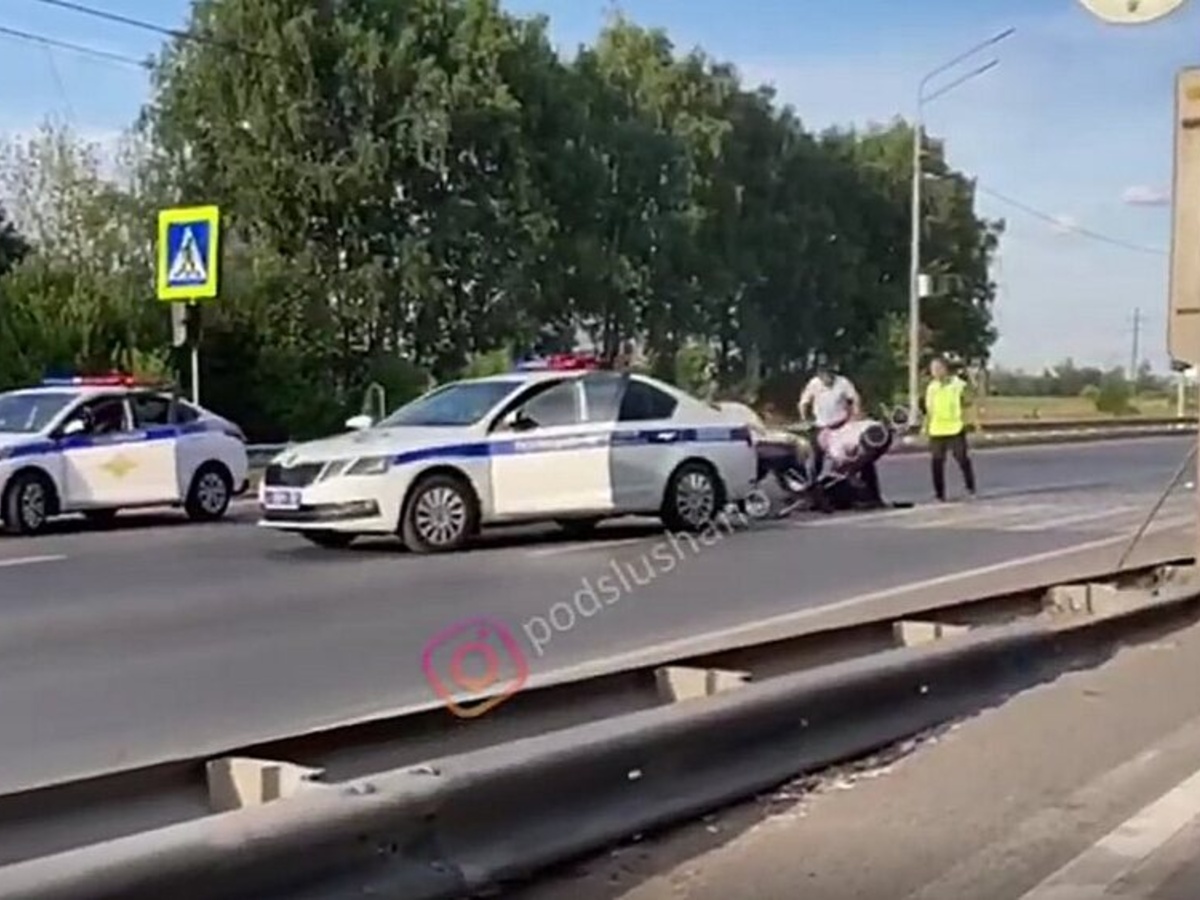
[(857, 518), (778, 626), (599, 544), (1094, 515), (1091, 874), (29, 561), (983, 516)]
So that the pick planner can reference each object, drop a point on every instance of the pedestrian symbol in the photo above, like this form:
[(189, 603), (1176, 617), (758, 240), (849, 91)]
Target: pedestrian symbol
[(188, 253), (188, 265)]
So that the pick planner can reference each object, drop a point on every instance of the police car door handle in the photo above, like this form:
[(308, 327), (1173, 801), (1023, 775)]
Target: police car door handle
[(664, 437)]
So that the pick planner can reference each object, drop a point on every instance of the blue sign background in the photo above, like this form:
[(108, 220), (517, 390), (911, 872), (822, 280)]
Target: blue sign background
[(201, 232)]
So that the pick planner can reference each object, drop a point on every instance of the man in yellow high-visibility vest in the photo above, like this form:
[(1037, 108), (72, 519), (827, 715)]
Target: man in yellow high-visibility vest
[(946, 427)]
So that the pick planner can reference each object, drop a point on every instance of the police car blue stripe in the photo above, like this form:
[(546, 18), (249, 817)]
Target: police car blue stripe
[(82, 442), (578, 441)]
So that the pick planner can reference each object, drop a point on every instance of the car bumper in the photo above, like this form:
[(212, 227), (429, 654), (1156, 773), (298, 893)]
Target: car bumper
[(356, 517), (354, 508)]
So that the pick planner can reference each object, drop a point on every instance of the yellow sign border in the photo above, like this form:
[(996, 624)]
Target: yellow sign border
[(189, 215)]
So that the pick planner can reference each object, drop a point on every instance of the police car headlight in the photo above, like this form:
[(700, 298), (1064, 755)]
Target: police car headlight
[(368, 465)]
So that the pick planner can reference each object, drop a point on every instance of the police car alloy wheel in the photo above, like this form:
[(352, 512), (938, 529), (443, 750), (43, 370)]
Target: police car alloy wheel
[(28, 504), (694, 498), (441, 514), (210, 493)]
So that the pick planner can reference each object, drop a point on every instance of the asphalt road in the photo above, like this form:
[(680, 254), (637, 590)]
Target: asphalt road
[(154, 638), (1084, 788)]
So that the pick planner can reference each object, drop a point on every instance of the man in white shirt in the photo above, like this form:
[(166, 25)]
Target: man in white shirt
[(832, 400)]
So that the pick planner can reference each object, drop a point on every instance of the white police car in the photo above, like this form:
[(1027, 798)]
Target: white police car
[(96, 445), (558, 441)]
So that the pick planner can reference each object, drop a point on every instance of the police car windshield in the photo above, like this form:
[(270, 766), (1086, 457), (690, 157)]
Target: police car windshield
[(28, 412), (460, 404)]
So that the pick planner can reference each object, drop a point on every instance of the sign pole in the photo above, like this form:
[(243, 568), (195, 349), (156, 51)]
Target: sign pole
[(188, 260)]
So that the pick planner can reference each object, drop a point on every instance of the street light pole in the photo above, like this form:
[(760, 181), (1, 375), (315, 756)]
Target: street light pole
[(914, 267)]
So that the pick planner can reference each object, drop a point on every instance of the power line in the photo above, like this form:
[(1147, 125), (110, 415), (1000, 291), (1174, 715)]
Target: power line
[(143, 25), (48, 42), (1057, 222)]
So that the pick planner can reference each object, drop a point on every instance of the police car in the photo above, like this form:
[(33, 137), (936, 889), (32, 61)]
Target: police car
[(557, 440), (94, 445)]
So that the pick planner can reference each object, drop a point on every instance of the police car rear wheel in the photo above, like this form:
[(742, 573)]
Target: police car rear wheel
[(210, 493), (694, 498), (28, 503), (441, 515)]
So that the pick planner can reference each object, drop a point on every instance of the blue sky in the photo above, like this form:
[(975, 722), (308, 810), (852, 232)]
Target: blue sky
[(1075, 122)]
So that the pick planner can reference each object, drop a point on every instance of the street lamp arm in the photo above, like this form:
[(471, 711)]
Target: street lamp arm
[(974, 73), (966, 54)]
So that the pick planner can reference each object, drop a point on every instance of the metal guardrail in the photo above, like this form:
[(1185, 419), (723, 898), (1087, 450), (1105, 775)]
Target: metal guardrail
[(466, 823), (1047, 429)]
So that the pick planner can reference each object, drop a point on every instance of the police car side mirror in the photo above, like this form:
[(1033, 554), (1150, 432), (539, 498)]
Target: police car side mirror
[(74, 427), (359, 423)]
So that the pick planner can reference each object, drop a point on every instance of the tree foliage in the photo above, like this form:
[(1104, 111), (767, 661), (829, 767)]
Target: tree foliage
[(411, 190)]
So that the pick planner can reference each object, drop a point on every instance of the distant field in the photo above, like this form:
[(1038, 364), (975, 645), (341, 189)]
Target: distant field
[(1009, 409)]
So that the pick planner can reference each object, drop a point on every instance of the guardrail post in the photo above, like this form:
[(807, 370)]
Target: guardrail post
[(236, 782)]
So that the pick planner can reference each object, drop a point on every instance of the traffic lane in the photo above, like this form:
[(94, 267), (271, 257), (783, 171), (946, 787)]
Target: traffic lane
[(217, 649), (648, 584), (986, 810), (1148, 463), (1140, 463)]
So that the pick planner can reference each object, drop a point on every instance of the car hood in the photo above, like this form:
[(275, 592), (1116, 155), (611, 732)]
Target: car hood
[(18, 438), (374, 442)]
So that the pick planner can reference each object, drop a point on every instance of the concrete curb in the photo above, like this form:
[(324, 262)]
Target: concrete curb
[(474, 820)]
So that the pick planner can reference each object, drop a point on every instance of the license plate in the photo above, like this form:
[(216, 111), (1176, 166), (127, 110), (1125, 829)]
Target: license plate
[(274, 498)]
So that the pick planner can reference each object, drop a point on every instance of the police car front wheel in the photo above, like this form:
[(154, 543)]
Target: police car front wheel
[(27, 504), (441, 515)]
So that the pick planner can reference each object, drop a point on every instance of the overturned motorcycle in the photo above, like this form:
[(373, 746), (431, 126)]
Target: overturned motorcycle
[(849, 480)]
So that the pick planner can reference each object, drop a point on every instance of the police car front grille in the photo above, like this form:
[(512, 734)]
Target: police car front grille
[(292, 476)]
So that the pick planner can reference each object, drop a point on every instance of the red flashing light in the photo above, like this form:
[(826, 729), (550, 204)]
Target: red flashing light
[(560, 362), (568, 361)]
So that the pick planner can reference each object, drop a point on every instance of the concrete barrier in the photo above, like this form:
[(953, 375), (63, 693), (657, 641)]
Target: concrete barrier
[(471, 821)]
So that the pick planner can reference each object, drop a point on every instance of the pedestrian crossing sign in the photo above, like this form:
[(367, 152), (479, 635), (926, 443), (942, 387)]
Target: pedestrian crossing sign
[(188, 253)]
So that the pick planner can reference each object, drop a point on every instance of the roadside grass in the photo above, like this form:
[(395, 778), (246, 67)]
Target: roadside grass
[(1017, 409)]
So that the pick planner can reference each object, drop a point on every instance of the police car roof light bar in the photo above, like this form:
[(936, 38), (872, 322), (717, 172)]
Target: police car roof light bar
[(559, 362), (112, 379)]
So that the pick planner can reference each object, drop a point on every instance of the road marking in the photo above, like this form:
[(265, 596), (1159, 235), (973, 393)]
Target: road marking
[(1063, 817), (784, 625), (1111, 512), (29, 561), (1091, 874), (983, 516), (594, 545)]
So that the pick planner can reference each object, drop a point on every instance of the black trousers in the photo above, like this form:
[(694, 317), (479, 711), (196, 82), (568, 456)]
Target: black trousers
[(956, 446)]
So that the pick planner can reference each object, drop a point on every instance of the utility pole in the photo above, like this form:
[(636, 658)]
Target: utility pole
[(915, 282), (1133, 353)]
